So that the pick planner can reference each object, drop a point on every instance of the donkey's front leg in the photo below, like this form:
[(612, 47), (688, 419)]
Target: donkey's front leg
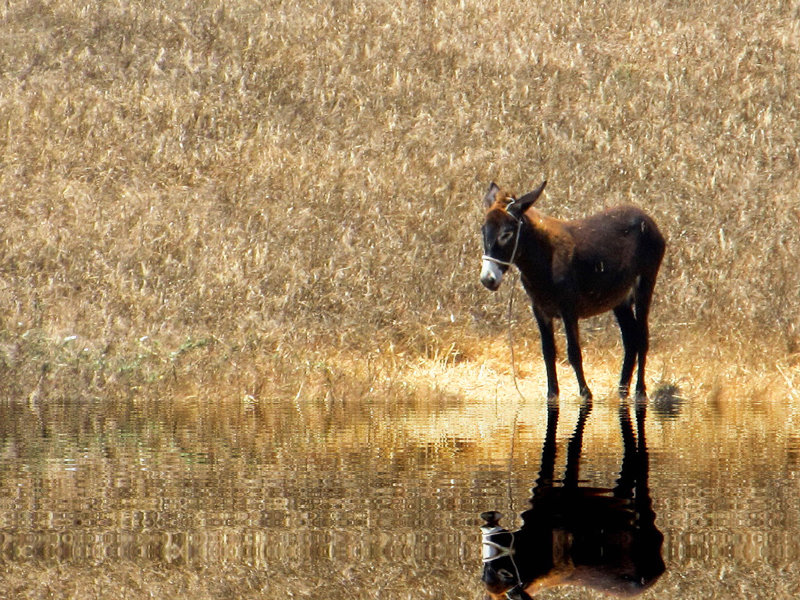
[(574, 353), (545, 324)]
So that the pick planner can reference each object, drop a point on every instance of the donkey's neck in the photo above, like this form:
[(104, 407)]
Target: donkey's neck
[(543, 239)]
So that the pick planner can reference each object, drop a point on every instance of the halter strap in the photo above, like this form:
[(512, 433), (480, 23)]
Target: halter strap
[(492, 551), (507, 263)]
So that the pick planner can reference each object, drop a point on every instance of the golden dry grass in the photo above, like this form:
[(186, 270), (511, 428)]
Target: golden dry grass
[(243, 193)]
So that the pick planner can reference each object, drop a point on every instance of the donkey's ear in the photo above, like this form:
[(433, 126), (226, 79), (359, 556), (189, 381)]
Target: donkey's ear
[(488, 199), (522, 204)]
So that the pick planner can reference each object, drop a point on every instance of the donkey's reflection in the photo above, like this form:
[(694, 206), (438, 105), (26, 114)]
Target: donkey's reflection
[(601, 538)]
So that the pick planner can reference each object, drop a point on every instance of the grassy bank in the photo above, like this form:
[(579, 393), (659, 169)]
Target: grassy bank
[(245, 193)]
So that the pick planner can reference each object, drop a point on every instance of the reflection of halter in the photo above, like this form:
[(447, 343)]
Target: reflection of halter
[(493, 551), (507, 263)]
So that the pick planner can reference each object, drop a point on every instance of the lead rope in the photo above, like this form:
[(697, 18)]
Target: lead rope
[(522, 399), (519, 404), (510, 320)]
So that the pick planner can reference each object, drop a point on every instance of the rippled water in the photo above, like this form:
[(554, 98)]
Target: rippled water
[(380, 497)]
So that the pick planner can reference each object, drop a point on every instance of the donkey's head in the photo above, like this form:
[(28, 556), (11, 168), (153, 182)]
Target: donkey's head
[(501, 230), (501, 577)]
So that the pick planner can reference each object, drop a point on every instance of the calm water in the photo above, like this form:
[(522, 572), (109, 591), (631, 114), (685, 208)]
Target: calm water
[(380, 497)]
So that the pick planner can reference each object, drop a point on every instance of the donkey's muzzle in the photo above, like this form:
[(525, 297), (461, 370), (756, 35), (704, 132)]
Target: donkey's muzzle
[(491, 284), (491, 275)]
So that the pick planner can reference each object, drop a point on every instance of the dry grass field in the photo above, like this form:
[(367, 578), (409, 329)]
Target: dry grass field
[(260, 194)]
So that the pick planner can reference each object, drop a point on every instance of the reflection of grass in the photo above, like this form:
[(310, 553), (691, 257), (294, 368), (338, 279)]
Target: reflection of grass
[(336, 580), (363, 579)]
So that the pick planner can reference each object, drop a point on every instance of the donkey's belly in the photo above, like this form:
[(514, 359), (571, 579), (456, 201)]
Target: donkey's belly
[(594, 303)]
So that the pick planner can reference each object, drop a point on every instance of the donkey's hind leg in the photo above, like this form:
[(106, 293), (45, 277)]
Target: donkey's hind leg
[(574, 353), (629, 328), (642, 298)]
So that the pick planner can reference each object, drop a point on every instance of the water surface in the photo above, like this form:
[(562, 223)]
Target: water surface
[(375, 496)]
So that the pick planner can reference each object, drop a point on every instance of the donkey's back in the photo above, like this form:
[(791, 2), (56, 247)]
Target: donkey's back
[(613, 250)]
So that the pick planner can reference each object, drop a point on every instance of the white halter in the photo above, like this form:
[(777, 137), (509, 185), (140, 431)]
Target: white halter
[(507, 263), (492, 551)]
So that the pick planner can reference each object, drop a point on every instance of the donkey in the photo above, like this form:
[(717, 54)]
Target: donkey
[(576, 269), (605, 539)]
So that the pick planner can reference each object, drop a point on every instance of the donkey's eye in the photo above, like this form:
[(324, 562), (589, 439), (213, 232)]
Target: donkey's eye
[(505, 574), (505, 237)]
